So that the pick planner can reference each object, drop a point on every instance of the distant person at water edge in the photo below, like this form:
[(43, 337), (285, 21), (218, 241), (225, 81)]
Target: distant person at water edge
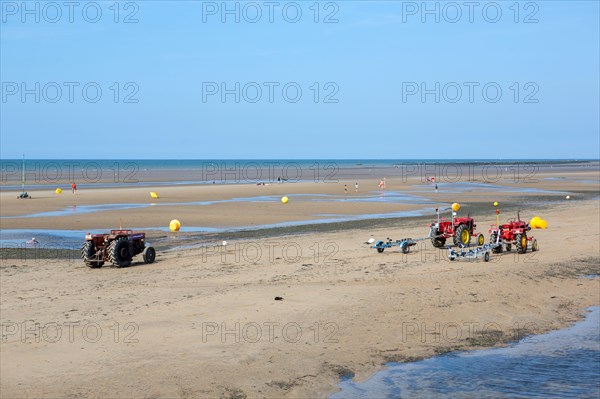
[(356, 187), (73, 187), (345, 189)]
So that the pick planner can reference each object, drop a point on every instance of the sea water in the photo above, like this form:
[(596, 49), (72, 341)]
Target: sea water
[(560, 364)]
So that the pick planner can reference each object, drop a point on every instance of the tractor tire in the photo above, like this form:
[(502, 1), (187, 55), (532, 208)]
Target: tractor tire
[(87, 253), (486, 257), (149, 254), (119, 252), (438, 242), (521, 244), (462, 235), (480, 239), (508, 247), (493, 239), (534, 246)]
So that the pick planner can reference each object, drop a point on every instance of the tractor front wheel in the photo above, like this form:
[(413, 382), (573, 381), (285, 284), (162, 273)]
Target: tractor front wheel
[(462, 235), (149, 254), (88, 252), (436, 241), (480, 239), (119, 252), (493, 240), (534, 246), (521, 244)]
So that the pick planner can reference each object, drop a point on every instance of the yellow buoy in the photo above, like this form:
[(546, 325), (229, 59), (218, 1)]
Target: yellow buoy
[(153, 194), (174, 225), (284, 200), (58, 190), (496, 203), (542, 224), (535, 221), (455, 207)]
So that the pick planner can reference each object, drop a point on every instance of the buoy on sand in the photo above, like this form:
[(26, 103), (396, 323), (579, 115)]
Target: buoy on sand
[(284, 200), (174, 225)]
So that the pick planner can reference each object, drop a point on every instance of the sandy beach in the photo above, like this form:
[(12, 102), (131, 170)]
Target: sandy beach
[(202, 321)]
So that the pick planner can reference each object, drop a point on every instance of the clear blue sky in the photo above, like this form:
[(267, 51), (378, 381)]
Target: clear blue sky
[(372, 49)]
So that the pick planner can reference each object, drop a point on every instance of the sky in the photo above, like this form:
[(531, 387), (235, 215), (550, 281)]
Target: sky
[(299, 80)]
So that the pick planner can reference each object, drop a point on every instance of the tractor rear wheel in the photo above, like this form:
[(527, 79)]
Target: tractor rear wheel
[(493, 240), (437, 242), (521, 244), (462, 235), (119, 252), (149, 254), (87, 253)]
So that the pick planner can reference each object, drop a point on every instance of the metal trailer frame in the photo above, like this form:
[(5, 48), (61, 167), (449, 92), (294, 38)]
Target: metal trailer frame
[(478, 252), (404, 244), (483, 251)]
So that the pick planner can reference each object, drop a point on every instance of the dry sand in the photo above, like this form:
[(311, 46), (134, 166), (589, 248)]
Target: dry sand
[(203, 322)]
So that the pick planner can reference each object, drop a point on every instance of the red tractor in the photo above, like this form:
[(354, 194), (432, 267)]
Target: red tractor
[(512, 233), (461, 230), (118, 247)]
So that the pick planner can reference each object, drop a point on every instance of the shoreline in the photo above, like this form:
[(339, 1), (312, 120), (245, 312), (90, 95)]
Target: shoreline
[(45, 174)]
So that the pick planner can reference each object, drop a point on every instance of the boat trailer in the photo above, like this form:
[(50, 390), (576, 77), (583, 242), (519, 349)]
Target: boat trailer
[(464, 253), (404, 244)]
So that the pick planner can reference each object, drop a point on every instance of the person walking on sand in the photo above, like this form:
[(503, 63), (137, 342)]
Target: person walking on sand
[(73, 187), (346, 189), (356, 187), (436, 187)]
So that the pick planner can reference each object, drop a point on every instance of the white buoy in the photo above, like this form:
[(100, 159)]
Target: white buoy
[(568, 197), (224, 243), (371, 240)]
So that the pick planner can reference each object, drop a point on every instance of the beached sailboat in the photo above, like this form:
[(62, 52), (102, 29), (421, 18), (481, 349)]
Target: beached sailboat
[(23, 192)]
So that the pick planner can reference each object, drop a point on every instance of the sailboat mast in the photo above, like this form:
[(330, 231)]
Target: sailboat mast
[(23, 174)]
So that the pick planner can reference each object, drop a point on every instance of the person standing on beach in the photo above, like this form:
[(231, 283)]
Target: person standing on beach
[(73, 187), (346, 189), (356, 187), (436, 187)]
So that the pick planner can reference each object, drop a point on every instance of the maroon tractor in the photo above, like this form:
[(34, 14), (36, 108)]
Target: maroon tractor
[(460, 229), (117, 247), (512, 233)]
